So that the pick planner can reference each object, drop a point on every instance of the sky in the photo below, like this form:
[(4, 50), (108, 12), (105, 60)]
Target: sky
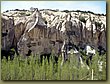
[(93, 6)]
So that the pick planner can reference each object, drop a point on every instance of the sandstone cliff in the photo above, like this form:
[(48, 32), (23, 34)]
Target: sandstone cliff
[(45, 31)]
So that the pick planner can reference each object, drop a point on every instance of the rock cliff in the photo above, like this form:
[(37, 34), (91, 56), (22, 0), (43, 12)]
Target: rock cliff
[(46, 31)]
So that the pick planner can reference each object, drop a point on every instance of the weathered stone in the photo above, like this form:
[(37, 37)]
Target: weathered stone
[(46, 31), (8, 32)]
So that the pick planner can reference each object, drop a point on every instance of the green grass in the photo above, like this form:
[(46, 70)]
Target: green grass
[(30, 69)]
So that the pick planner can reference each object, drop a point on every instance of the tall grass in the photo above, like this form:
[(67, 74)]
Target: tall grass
[(31, 69)]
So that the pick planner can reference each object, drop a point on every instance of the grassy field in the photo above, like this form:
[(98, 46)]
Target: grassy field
[(30, 69)]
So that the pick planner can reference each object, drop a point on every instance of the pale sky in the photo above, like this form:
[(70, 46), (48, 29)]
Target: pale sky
[(94, 6)]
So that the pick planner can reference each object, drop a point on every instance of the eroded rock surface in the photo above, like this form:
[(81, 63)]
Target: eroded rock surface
[(46, 31)]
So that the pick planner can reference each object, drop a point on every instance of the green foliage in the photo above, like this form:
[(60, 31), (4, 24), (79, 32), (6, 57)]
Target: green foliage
[(98, 24), (67, 11), (22, 13), (28, 14), (82, 19), (30, 69)]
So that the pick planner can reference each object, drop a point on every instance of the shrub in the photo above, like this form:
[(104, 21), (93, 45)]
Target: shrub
[(30, 69), (67, 11), (22, 13), (82, 19), (98, 24)]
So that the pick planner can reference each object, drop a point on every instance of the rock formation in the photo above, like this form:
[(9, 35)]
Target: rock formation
[(46, 31), (7, 32)]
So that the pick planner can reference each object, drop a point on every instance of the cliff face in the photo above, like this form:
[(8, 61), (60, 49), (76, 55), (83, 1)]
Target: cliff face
[(86, 26), (7, 29), (45, 31)]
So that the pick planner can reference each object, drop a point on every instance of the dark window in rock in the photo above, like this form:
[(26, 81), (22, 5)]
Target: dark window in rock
[(45, 22), (6, 30), (29, 45), (29, 53), (39, 43), (5, 34)]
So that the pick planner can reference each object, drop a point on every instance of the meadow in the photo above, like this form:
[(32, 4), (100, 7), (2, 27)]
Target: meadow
[(30, 68)]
